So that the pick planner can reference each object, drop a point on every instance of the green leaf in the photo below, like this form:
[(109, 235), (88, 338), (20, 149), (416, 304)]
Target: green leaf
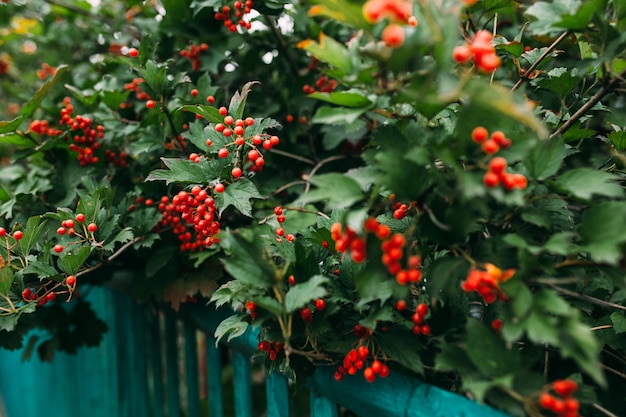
[(34, 227), (618, 139), (154, 76), (6, 279), (545, 159), (488, 351), (619, 322), (209, 113), (11, 125), (343, 98), (72, 261), (249, 261), (584, 183), (181, 170), (603, 232), (238, 101), (403, 350), (123, 236), (302, 293), (42, 270), (329, 51), (238, 195), (546, 16), (558, 80), (232, 327), (336, 190), (29, 108), (346, 11), (337, 115)]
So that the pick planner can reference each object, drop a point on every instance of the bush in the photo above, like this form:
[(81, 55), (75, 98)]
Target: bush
[(432, 187)]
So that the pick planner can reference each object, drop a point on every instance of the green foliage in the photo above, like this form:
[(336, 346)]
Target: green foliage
[(351, 195)]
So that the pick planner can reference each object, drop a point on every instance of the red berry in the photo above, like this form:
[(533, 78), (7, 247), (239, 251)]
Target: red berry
[(565, 387), (58, 248), (219, 188), (422, 309), (479, 134), (401, 305), (194, 92), (133, 52), (520, 181), (236, 172), (210, 99), (491, 180), (150, 104), (497, 165), (3, 231), (61, 230), (18, 235), (92, 227), (80, 217), (496, 325), (546, 401), (320, 304), (223, 111), (377, 366), (461, 54), (425, 329), (222, 153), (490, 146), (71, 280), (488, 62), (369, 374), (51, 296), (384, 371), (393, 35)]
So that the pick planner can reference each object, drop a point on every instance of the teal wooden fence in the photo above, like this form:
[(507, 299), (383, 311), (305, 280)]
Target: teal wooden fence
[(167, 365)]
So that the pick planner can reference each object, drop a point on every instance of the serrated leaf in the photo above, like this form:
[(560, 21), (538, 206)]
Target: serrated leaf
[(123, 236), (232, 327), (301, 294), (343, 98), (238, 100), (584, 183), (249, 261), (72, 261), (42, 270), (34, 227), (6, 279), (329, 51), (8, 323), (545, 159), (180, 170), (558, 80), (336, 190), (546, 16), (603, 231), (238, 194), (29, 108)]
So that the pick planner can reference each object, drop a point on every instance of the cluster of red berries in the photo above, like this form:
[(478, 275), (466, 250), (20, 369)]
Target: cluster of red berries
[(290, 119), (280, 231), (43, 295), (192, 215), (46, 71), (148, 202), (397, 12), (134, 86), (346, 239), (400, 210), (357, 359), (193, 54), (236, 128), (271, 348), (563, 404), (322, 85), (42, 127), (480, 49), (496, 173), (117, 159), (419, 327), (487, 282), (17, 235), (68, 227), (239, 9), (306, 313), (86, 136)]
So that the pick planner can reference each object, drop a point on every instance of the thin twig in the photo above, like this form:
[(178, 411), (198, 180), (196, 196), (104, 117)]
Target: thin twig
[(590, 299), (545, 53), (606, 89), (603, 410), (293, 156), (110, 258)]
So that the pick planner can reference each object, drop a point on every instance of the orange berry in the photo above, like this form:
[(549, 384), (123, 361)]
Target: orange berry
[(461, 54), (479, 134), (490, 147), (393, 35)]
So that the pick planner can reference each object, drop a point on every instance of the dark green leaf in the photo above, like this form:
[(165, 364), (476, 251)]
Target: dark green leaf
[(558, 80), (181, 170), (619, 322), (336, 190), (238, 101), (42, 270), (545, 159), (34, 227), (11, 125), (584, 183), (603, 231), (249, 261), (72, 261), (238, 195), (6, 279), (488, 351), (301, 294), (209, 113)]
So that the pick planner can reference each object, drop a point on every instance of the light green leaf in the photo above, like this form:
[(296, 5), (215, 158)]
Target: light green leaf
[(336, 190), (329, 51), (584, 183), (545, 159), (343, 98), (238, 195), (29, 108), (232, 327), (34, 227), (603, 231), (337, 115)]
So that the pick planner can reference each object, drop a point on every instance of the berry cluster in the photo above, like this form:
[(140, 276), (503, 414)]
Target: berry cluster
[(192, 217), (496, 173), (357, 359), (271, 348), (479, 49), (487, 282), (347, 239), (322, 85), (42, 127), (280, 231), (134, 86), (563, 404), (248, 146), (117, 159), (193, 54), (46, 71), (240, 8), (306, 313), (397, 12), (86, 137), (419, 327)]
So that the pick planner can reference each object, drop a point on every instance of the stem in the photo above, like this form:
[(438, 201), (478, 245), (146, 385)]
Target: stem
[(293, 156), (110, 258), (606, 89), (603, 410), (13, 309), (606, 326), (590, 299), (547, 52), (613, 371)]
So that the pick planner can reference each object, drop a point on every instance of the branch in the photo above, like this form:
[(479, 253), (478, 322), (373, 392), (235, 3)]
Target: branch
[(545, 53), (603, 410), (587, 298), (606, 89)]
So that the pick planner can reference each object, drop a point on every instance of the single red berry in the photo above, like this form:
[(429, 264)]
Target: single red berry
[(223, 111), (280, 231), (306, 314), (18, 235), (291, 280), (401, 305), (369, 374), (461, 54), (393, 35), (546, 401), (376, 366), (150, 104), (68, 223), (51, 296), (80, 217), (58, 248), (253, 154), (61, 230), (236, 172), (222, 153), (210, 99), (219, 188), (425, 329), (421, 309), (565, 387), (497, 165), (92, 227), (320, 304), (3, 231), (194, 92), (26, 293), (490, 146), (71, 280), (384, 371), (488, 62), (491, 180), (496, 325), (133, 52), (479, 134)]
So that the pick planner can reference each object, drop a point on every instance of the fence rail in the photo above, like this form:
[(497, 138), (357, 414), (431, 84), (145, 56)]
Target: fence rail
[(167, 365)]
